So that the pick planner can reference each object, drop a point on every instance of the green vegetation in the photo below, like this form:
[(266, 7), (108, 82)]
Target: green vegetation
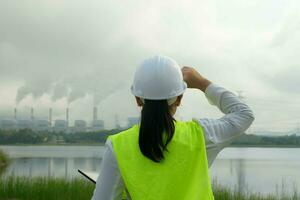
[(4, 161), (23, 188), (25, 136), (225, 193), (266, 141), (88, 137), (30, 137)]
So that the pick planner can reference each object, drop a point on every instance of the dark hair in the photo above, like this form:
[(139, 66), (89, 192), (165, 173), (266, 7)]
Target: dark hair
[(155, 121)]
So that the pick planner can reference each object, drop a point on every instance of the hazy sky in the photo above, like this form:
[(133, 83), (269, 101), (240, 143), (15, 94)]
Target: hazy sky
[(75, 53)]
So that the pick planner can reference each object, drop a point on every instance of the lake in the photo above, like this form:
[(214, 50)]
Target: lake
[(265, 170)]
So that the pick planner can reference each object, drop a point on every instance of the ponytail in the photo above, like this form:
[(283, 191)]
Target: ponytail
[(155, 121)]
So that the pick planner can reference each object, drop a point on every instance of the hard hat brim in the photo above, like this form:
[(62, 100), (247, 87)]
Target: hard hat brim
[(173, 94)]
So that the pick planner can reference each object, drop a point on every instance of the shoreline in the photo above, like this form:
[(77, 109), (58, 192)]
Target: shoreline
[(103, 144)]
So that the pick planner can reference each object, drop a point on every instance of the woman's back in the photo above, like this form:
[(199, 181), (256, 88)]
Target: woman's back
[(162, 158), (177, 176)]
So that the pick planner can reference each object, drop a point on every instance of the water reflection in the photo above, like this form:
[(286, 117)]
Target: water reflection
[(265, 176), (240, 171), (52, 167), (243, 169)]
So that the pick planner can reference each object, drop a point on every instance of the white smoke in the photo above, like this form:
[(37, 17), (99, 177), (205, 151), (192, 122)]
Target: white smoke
[(74, 50)]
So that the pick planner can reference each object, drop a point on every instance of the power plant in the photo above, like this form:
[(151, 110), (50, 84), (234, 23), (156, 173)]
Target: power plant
[(96, 123), (59, 125)]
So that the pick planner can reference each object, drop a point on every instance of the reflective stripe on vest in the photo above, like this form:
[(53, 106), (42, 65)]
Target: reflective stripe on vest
[(182, 174)]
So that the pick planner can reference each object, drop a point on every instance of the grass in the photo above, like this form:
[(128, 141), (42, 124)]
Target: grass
[(225, 193), (24, 188), (4, 161)]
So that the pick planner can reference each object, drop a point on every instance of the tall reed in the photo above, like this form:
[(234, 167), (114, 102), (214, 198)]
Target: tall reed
[(4, 161), (25, 188)]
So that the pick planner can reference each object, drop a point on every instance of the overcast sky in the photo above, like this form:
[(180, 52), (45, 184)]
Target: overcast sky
[(76, 54)]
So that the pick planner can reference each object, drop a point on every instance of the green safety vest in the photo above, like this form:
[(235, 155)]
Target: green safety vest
[(183, 173)]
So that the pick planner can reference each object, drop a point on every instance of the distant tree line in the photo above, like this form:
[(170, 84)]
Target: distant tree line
[(25, 136), (89, 137), (28, 136), (258, 140)]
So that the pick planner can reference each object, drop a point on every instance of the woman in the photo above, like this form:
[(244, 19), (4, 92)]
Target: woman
[(163, 158)]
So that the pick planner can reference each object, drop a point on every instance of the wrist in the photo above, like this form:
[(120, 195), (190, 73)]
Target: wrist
[(203, 84)]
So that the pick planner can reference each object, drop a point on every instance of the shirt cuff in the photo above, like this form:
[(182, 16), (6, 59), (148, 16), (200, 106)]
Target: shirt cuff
[(214, 93)]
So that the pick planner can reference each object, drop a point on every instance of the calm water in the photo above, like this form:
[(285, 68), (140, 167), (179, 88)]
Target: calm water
[(255, 169)]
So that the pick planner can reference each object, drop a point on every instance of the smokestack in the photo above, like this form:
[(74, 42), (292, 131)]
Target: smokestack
[(31, 114), (50, 117), (67, 116), (15, 114), (95, 113)]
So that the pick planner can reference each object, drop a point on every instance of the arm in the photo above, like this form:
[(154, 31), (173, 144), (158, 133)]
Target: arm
[(238, 116), (237, 119), (109, 184)]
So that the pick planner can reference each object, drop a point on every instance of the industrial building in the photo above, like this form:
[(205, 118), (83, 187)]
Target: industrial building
[(97, 124), (132, 121), (41, 125), (8, 124), (25, 124), (59, 125), (80, 126)]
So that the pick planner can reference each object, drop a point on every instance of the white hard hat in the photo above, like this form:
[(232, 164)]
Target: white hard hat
[(158, 77)]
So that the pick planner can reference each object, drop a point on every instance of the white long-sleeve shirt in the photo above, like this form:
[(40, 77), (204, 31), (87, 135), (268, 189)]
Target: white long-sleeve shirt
[(219, 133)]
